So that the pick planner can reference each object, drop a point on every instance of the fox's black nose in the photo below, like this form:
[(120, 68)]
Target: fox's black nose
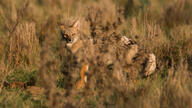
[(68, 39), (65, 37)]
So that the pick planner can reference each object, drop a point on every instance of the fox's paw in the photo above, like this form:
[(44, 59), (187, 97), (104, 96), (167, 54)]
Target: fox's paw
[(80, 84)]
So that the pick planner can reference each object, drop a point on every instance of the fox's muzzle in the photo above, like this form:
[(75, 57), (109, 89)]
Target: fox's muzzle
[(66, 38)]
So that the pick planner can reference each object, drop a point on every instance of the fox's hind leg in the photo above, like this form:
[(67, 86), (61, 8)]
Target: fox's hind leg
[(83, 80)]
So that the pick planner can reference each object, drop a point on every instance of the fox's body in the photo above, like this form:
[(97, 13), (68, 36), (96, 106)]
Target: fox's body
[(80, 46)]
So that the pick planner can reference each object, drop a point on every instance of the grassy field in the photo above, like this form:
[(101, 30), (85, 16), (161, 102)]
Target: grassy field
[(31, 52)]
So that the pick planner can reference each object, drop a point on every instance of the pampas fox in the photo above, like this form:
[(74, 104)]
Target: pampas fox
[(75, 42), (70, 34)]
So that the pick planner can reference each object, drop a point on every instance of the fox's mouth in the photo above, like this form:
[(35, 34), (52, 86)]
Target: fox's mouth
[(66, 38)]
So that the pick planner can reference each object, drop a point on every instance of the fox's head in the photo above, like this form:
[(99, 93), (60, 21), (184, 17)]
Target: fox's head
[(70, 32)]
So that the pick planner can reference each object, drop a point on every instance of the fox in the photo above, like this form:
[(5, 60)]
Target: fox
[(74, 41), (69, 33)]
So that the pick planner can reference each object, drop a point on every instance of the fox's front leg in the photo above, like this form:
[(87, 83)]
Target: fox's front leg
[(83, 80)]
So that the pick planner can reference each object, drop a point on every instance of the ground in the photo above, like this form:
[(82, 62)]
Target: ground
[(37, 70)]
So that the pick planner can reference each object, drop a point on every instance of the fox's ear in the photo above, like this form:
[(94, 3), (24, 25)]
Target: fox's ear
[(61, 26), (77, 24)]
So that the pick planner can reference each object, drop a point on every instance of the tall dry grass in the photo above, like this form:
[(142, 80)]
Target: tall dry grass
[(30, 40), (23, 46)]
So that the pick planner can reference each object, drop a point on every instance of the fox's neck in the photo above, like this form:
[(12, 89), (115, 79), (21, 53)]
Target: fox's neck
[(75, 45)]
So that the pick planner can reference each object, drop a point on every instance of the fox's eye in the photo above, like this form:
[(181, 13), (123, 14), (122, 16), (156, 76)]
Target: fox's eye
[(73, 34), (63, 34), (65, 37)]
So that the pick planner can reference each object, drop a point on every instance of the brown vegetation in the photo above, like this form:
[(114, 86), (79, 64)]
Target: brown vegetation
[(118, 40)]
